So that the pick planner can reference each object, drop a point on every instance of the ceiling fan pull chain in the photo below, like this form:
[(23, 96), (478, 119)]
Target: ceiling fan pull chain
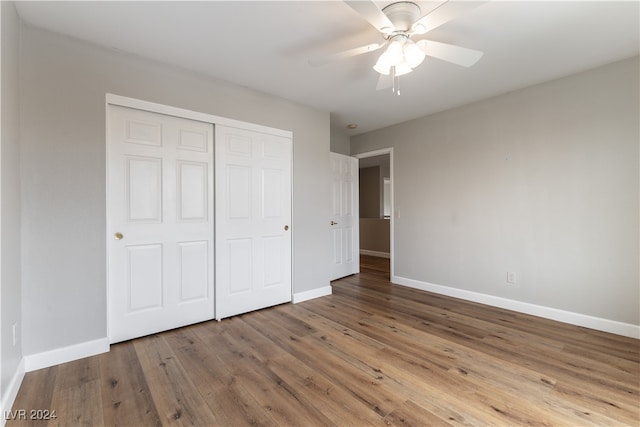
[(393, 79)]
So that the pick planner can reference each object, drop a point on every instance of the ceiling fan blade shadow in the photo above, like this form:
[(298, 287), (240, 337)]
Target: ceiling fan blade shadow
[(345, 54), (372, 13), (385, 81), (444, 13), (450, 53)]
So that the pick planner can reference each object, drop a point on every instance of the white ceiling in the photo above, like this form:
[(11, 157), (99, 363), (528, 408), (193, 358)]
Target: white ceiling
[(266, 45)]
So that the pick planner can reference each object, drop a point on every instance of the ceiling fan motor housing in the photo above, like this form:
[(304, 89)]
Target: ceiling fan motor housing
[(402, 14)]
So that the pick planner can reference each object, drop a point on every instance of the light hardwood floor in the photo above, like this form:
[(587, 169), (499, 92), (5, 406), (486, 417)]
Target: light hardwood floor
[(370, 354)]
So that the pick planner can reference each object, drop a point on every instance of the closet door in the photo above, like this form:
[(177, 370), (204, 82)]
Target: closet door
[(160, 222), (253, 220)]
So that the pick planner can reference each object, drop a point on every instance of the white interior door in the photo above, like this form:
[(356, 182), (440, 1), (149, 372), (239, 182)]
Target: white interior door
[(345, 225), (160, 222), (253, 220)]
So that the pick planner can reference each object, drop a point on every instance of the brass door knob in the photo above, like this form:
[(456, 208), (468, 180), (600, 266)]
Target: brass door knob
[(286, 228), (118, 236)]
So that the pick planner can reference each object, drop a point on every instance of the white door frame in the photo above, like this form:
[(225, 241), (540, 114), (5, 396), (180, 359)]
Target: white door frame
[(153, 107), (382, 152), (123, 101)]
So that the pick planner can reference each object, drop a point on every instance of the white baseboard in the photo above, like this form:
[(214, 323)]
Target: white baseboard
[(314, 293), (12, 391), (605, 325), (66, 354), (375, 253)]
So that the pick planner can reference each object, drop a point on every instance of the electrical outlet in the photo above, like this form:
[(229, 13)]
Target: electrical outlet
[(511, 277), (14, 327)]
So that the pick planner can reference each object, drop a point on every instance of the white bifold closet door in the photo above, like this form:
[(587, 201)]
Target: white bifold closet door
[(253, 220), (160, 222)]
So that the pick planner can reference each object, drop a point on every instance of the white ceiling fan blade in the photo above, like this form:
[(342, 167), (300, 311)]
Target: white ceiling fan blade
[(448, 52), (444, 13), (345, 54), (372, 13)]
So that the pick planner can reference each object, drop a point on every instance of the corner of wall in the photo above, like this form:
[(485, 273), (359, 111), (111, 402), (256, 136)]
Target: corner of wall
[(66, 354), (11, 357), (312, 294), (2, 405), (10, 394)]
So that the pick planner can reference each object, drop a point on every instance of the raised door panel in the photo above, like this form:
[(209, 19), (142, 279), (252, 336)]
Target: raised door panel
[(272, 196), (193, 267), (145, 132), (143, 184), (193, 139), (238, 192), (240, 262), (274, 249), (144, 277), (193, 191)]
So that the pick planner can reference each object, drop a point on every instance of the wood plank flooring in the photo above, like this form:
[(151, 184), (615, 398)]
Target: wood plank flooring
[(370, 354)]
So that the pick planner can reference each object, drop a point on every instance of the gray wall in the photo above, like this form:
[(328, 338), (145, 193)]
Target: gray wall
[(542, 181), (339, 142), (64, 82), (375, 235), (10, 286)]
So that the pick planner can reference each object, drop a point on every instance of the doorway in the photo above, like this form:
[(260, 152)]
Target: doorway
[(376, 204)]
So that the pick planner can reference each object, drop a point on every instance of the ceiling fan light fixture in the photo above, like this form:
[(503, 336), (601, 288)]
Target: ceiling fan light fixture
[(402, 69), (395, 54), (413, 55), (382, 70), (383, 66)]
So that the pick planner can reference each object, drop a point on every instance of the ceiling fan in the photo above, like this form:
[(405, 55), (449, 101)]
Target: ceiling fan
[(398, 23)]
